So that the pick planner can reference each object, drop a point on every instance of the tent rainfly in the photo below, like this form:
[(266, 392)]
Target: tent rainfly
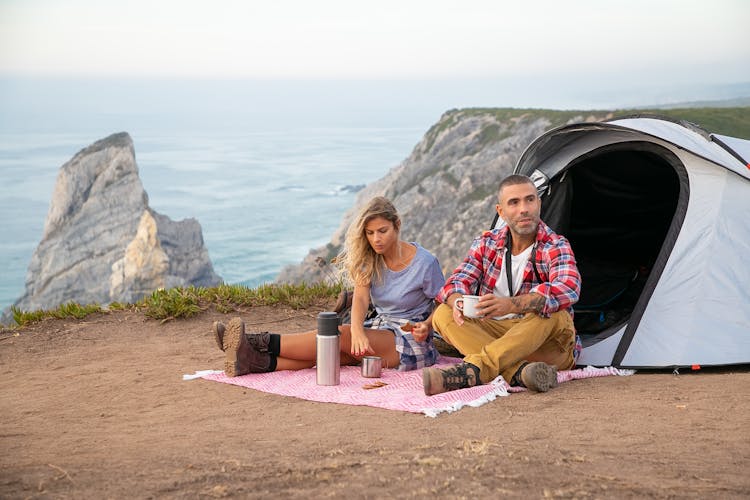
[(657, 213)]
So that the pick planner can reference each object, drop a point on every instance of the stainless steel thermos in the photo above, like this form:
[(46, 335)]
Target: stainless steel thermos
[(328, 353)]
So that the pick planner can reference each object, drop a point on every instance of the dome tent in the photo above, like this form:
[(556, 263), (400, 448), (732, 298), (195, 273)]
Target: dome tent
[(658, 215)]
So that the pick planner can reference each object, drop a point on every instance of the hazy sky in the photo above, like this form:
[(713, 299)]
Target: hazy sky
[(347, 61), (389, 39)]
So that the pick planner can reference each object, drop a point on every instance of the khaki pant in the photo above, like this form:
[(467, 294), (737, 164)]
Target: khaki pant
[(500, 347)]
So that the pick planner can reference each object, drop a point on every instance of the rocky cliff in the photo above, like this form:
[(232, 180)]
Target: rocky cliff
[(101, 241), (445, 190)]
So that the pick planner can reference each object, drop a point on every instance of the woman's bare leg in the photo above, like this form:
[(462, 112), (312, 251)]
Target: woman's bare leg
[(292, 364), (383, 342), (299, 350), (298, 346), (296, 351)]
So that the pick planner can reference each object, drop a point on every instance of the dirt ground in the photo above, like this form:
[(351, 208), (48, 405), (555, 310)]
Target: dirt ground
[(98, 409)]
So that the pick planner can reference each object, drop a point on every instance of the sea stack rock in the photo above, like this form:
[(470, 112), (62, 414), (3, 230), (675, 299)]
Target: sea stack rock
[(101, 241)]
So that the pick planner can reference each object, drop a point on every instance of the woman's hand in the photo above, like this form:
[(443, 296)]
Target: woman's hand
[(420, 331), (360, 343)]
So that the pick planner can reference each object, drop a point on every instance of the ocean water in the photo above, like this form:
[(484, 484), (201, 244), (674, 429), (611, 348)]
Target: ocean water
[(262, 197)]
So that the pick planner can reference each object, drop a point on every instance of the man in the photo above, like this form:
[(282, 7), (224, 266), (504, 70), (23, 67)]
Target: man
[(527, 278)]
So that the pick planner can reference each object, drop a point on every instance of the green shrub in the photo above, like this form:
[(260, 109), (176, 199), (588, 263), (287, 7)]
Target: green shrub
[(23, 318), (171, 303), (77, 311), (118, 306), (174, 303), (64, 311)]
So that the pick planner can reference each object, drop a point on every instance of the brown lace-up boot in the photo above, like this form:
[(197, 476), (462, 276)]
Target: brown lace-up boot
[(219, 329), (538, 376), (461, 376), (241, 358), (259, 341)]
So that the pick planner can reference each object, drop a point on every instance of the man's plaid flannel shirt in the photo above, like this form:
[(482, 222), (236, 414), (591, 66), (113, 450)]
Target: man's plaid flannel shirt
[(553, 257)]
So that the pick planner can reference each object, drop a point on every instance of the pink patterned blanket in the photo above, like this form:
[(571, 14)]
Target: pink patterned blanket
[(403, 390)]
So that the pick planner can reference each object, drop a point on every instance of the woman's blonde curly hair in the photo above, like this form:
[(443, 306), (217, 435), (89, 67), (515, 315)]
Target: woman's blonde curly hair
[(362, 264)]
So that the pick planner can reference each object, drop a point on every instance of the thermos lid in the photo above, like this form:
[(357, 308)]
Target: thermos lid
[(328, 323)]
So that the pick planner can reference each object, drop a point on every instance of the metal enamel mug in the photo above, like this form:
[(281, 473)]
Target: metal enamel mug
[(371, 366)]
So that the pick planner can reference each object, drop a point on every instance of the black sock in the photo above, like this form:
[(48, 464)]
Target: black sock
[(476, 372), (274, 346), (516, 381), (272, 364)]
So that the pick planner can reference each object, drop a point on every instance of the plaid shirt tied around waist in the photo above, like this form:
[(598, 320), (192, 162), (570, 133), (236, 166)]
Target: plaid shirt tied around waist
[(413, 355)]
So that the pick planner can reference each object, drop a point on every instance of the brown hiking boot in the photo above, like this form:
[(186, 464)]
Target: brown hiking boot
[(539, 377), (259, 341), (241, 358), (461, 376), (219, 329)]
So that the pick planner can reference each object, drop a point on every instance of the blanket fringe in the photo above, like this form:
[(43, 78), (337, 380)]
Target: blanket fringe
[(499, 388), (200, 374), (608, 370)]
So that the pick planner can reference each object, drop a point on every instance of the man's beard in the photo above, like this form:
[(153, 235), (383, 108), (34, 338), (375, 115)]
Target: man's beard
[(530, 229)]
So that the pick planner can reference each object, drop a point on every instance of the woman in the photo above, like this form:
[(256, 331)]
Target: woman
[(401, 279)]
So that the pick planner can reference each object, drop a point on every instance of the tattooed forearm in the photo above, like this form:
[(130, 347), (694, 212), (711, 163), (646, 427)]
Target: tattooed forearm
[(528, 303), (536, 303)]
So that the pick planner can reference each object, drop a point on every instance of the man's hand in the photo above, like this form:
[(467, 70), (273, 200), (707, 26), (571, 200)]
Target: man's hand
[(491, 305), (458, 315)]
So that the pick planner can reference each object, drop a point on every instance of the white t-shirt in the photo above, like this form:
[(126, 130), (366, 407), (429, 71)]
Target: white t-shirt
[(517, 267)]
